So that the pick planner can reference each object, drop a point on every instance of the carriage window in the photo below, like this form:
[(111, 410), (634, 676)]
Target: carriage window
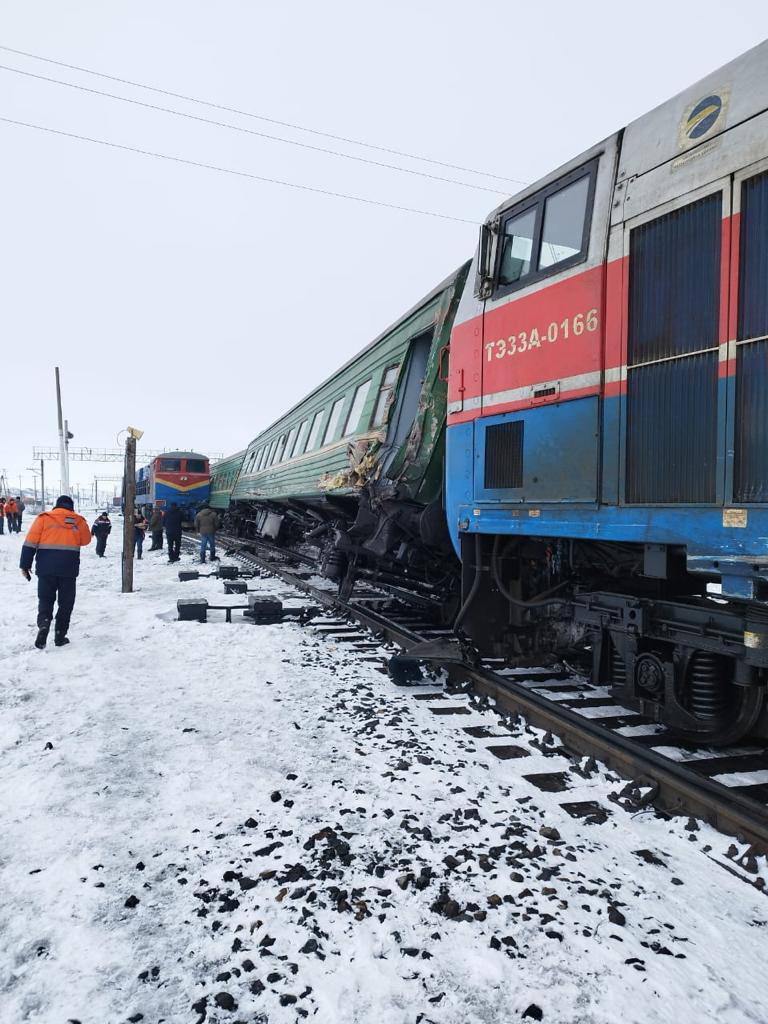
[(356, 410), (301, 438), (314, 434), (333, 421), (291, 441), (277, 452), (195, 465), (170, 465), (280, 450), (562, 233), (517, 247), (385, 392)]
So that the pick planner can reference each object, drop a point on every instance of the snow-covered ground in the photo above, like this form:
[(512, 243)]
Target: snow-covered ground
[(248, 823)]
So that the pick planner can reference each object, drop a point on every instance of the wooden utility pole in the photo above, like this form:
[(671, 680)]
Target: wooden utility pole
[(129, 504), (42, 485)]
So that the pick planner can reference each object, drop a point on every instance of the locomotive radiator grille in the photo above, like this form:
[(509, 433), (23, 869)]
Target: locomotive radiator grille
[(674, 308), (751, 447), (504, 455)]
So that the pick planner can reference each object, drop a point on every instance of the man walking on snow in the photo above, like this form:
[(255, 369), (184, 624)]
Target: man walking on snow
[(54, 541)]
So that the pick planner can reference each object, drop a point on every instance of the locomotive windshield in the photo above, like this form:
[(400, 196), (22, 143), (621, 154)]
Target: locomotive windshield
[(195, 465)]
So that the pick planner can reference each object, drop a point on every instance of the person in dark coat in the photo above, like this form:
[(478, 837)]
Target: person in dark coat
[(53, 543), (20, 509), (101, 530), (156, 529), (172, 522), (2, 516), (140, 525)]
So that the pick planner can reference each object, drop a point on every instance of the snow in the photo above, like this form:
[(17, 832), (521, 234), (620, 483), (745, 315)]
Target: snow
[(257, 783)]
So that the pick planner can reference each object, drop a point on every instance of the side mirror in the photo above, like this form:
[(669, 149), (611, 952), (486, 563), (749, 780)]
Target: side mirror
[(486, 253)]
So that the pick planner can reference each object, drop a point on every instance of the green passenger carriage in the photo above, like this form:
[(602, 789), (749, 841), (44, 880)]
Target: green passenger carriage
[(223, 479), (355, 469)]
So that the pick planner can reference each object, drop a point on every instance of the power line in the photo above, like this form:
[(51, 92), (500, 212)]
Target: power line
[(248, 131), (260, 117), (239, 174)]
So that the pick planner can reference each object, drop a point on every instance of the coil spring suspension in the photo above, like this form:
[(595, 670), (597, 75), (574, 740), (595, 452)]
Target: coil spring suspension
[(618, 668), (707, 685)]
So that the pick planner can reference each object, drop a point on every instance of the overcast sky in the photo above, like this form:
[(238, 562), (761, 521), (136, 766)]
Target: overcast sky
[(198, 305)]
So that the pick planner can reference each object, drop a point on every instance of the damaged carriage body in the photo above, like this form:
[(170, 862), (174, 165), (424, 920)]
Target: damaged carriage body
[(352, 476)]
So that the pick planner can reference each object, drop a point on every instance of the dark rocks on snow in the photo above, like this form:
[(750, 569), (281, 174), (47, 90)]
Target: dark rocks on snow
[(310, 946), (533, 1012), (225, 1001), (276, 797), (251, 823), (131, 902), (615, 916), (257, 987), (549, 833)]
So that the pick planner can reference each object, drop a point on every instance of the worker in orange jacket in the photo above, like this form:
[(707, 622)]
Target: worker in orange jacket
[(11, 511), (54, 541)]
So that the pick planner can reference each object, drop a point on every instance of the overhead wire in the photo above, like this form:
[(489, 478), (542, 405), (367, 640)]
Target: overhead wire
[(261, 117), (233, 171), (249, 131)]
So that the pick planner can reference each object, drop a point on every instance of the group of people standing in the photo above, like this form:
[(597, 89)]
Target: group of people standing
[(11, 512), (159, 523), (54, 540)]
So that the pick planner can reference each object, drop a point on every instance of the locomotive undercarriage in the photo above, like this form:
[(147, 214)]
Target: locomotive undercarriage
[(665, 646)]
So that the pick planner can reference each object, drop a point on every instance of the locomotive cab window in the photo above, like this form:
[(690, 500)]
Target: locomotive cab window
[(170, 465), (195, 465), (517, 248), (549, 234)]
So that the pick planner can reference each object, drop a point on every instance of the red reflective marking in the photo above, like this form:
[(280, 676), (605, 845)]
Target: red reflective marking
[(725, 251), (733, 317)]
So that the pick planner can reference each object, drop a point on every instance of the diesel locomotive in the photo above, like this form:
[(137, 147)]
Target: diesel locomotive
[(183, 477), (564, 447)]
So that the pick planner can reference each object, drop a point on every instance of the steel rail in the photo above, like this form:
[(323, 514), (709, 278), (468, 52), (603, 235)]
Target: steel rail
[(678, 789)]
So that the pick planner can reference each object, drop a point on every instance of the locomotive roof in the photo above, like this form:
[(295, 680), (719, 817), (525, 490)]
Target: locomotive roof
[(180, 455), (729, 96)]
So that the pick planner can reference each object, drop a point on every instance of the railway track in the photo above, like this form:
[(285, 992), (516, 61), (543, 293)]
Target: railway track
[(726, 787)]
